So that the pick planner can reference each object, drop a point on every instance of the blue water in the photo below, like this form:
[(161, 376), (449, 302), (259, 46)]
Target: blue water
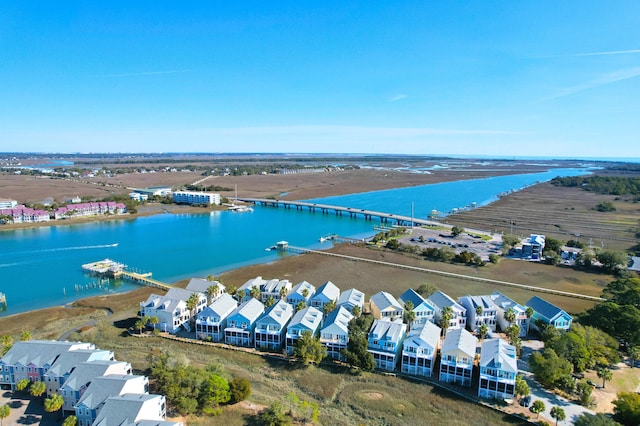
[(39, 265)]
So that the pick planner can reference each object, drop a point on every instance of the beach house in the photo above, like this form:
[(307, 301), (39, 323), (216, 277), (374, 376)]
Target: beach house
[(533, 247), (334, 334), (241, 323), (439, 301), (351, 298), (307, 319), (498, 369), (275, 289), (504, 304), (212, 289), (457, 357), (480, 310), (301, 292), (66, 362), (385, 343), (326, 293), (422, 309), (211, 322), (271, 327), (384, 306), (254, 285), (135, 410), (420, 348), (547, 313)]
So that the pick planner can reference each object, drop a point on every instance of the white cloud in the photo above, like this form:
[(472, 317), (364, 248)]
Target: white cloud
[(396, 98), (143, 73), (612, 52), (602, 80)]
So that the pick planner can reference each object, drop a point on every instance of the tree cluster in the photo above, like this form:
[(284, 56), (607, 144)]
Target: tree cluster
[(614, 185), (584, 347), (308, 348), (356, 354)]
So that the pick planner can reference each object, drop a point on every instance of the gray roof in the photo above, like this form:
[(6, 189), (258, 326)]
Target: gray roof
[(425, 335), (124, 409), (544, 308), (181, 294), (635, 264), (505, 302), (328, 291), (497, 353), (309, 318), (352, 296), (251, 310), (301, 286), (411, 296), (164, 303), (274, 285), (384, 300), (67, 361), (107, 386), (279, 313), (220, 308), (339, 318), (486, 302), (460, 340), (253, 282), (440, 300), (85, 372), (387, 330), (201, 285), (40, 352)]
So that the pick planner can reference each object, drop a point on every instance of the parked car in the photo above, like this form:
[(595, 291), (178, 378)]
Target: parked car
[(525, 401)]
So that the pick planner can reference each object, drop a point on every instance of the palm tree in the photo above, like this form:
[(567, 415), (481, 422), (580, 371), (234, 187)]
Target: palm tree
[(255, 292), (409, 315), (283, 292), (38, 388), (605, 374), (270, 301), (356, 311), (305, 292), (510, 315), (54, 403), (5, 410), (25, 336), (329, 306), (634, 354), (483, 330), (446, 315), (139, 325), (153, 320), (240, 294), (212, 291), (70, 421), (23, 384), (231, 289), (479, 310), (529, 311), (558, 414), (300, 305), (192, 304), (210, 278)]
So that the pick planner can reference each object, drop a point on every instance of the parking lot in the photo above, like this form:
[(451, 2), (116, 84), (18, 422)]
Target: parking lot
[(471, 242)]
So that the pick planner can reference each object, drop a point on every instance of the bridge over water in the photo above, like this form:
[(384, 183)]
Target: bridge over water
[(339, 211)]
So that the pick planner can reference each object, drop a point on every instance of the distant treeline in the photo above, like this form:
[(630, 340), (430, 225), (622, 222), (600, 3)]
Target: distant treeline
[(210, 188), (601, 184)]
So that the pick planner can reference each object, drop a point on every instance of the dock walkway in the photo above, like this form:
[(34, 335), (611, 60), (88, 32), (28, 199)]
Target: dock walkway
[(112, 269)]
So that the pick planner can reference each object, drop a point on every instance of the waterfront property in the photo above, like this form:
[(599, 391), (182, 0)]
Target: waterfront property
[(270, 327), (351, 298), (503, 304), (82, 376), (241, 323), (547, 313), (66, 362), (301, 292), (307, 319), (192, 197), (533, 247), (385, 343), (22, 214), (275, 288), (211, 322), (422, 309), (440, 300), (213, 289), (457, 357), (480, 310), (498, 369), (334, 334), (104, 387), (171, 309), (420, 348), (385, 306), (243, 293), (135, 409), (326, 293)]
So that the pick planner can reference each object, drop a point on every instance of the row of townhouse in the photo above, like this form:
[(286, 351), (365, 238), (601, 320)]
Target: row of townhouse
[(89, 209), (96, 388), (22, 214)]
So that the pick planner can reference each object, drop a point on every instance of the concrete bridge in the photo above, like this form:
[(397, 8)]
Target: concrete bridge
[(398, 220)]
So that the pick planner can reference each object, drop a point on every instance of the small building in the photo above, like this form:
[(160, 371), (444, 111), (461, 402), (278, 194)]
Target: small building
[(420, 348), (385, 306), (135, 410), (271, 327), (498, 370), (423, 310), (326, 293), (533, 247), (307, 319), (193, 197), (351, 298), (548, 313), (385, 343), (439, 301), (6, 203), (335, 332), (457, 357), (503, 304), (157, 191), (301, 292), (480, 310), (241, 323), (211, 322)]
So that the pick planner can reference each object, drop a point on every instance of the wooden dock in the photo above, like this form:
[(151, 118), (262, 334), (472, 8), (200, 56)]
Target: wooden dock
[(112, 269)]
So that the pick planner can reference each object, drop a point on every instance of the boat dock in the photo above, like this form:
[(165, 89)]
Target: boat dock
[(112, 269), (3, 302)]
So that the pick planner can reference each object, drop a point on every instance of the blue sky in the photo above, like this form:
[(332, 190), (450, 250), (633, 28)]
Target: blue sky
[(543, 78)]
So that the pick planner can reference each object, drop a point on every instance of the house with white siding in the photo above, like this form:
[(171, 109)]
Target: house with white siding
[(457, 357), (480, 310), (498, 370), (420, 348), (135, 410), (211, 322), (385, 306), (81, 378), (275, 288), (423, 310), (66, 362), (301, 292), (503, 304), (202, 286), (440, 300), (351, 298), (307, 319), (334, 334), (245, 289), (104, 387), (241, 323), (326, 293), (385, 343), (171, 309), (271, 327)]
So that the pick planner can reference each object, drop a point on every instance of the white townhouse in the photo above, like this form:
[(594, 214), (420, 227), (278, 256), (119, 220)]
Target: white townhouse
[(271, 327), (135, 410), (241, 323), (301, 292), (193, 197), (32, 359), (351, 298), (385, 343), (89, 406), (439, 300), (202, 286), (457, 357), (276, 289), (548, 313), (498, 370), (211, 322), (480, 310), (307, 319), (245, 289), (326, 293), (334, 334), (171, 309), (80, 379), (55, 377), (423, 310), (503, 304), (420, 348), (385, 306)]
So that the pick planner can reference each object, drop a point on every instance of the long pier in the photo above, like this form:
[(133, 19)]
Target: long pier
[(398, 220), (111, 269)]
